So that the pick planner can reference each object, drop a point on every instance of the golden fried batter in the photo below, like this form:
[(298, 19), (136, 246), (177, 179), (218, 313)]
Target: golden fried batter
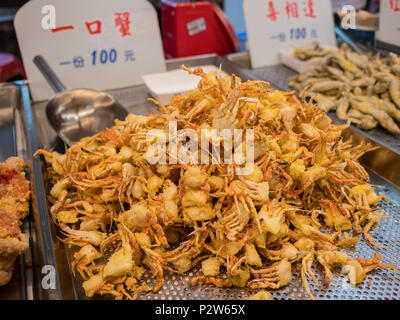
[(243, 229)]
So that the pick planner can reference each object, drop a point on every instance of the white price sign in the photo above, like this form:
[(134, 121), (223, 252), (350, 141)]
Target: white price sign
[(274, 24), (389, 22), (99, 44)]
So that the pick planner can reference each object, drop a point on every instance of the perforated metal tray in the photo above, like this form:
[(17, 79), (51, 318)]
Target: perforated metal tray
[(380, 283)]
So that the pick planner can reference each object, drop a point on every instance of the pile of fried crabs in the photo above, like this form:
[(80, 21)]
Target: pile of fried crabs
[(305, 200)]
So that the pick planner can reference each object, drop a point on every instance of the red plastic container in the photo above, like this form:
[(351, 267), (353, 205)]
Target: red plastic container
[(193, 28), (10, 67)]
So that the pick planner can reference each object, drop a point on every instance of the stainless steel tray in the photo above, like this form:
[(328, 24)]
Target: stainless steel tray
[(17, 139), (383, 165)]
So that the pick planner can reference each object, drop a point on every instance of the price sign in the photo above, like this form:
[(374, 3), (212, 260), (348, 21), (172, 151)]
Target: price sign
[(389, 22), (99, 44), (274, 24)]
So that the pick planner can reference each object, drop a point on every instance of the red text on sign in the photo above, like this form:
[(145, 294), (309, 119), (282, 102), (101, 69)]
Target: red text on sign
[(292, 9), (123, 23), (70, 27), (272, 13), (395, 5), (309, 9), (93, 27)]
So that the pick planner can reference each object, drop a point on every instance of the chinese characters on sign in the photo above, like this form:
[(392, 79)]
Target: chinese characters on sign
[(93, 27), (62, 28), (122, 24), (275, 25), (291, 10), (102, 57), (296, 34), (309, 9), (272, 13), (395, 5), (122, 21)]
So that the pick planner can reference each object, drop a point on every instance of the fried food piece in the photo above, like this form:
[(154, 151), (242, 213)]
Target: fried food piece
[(342, 109), (261, 295), (369, 108), (274, 277), (14, 206), (310, 52), (363, 121), (210, 267), (355, 271)]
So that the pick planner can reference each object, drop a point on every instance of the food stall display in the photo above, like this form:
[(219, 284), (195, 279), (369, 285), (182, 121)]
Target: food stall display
[(245, 230), (271, 174)]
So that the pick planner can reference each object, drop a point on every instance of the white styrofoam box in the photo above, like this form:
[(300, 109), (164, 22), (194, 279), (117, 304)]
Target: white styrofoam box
[(286, 57), (163, 86)]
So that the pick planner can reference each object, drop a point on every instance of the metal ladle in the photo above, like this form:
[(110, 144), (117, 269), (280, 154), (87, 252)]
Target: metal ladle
[(78, 113)]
